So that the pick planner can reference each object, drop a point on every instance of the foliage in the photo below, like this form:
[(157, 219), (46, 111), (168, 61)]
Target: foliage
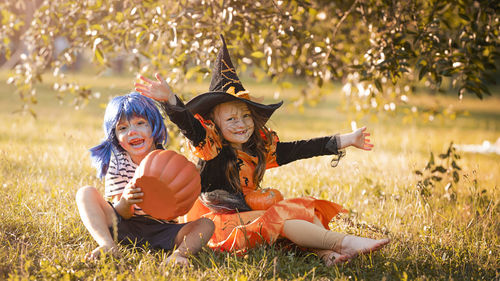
[(447, 171), (373, 46)]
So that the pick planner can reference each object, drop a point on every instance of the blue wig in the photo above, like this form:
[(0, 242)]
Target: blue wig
[(128, 106)]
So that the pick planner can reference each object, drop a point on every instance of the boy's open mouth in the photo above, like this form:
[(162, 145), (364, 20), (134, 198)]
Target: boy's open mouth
[(136, 142)]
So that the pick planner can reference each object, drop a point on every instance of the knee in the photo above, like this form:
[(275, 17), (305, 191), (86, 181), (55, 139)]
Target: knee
[(84, 193), (207, 225)]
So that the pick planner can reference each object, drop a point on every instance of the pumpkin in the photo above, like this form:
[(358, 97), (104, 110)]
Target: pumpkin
[(262, 199), (170, 184)]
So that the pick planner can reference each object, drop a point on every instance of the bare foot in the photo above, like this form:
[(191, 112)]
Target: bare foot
[(177, 259), (104, 249), (355, 245), (331, 258)]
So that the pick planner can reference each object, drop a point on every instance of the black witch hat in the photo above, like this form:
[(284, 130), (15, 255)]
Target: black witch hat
[(225, 87)]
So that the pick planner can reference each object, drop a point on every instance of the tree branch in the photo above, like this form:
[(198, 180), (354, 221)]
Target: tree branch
[(337, 27)]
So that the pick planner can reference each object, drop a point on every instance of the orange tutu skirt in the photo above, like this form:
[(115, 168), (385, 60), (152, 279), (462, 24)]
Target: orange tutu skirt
[(241, 231)]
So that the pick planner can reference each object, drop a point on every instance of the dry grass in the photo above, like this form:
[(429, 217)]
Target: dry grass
[(44, 161)]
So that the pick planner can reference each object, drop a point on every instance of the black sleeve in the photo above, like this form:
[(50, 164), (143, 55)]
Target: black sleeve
[(287, 152), (190, 127)]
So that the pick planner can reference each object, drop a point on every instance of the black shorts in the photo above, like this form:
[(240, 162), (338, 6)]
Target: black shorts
[(144, 231)]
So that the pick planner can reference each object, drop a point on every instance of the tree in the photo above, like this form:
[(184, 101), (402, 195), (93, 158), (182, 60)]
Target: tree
[(372, 46)]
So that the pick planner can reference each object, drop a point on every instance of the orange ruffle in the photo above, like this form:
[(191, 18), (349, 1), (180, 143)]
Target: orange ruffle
[(241, 231)]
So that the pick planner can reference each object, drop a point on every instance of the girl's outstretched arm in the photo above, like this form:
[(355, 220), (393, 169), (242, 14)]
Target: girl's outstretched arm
[(158, 90), (287, 152)]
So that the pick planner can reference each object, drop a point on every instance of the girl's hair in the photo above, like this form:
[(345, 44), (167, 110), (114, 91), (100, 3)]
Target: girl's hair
[(128, 106), (256, 145)]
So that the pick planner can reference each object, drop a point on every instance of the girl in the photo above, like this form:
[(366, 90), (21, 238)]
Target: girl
[(226, 129), (133, 127)]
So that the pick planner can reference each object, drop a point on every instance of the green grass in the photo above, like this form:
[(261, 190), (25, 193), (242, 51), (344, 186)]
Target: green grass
[(45, 160)]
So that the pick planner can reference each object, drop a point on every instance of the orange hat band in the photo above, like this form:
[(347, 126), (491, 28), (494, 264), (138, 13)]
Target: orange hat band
[(239, 94)]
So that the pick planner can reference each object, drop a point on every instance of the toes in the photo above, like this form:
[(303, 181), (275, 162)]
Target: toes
[(335, 258), (375, 247), (94, 255), (341, 259), (101, 250), (89, 257), (183, 263)]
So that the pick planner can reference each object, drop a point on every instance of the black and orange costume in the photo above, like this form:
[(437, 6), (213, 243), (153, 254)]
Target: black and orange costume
[(239, 229), (242, 230)]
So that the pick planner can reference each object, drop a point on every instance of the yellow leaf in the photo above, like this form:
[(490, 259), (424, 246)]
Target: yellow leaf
[(99, 56), (258, 54), (191, 72), (259, 74), (286, 85), (119, 17)]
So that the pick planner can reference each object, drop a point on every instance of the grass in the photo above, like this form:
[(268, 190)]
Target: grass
[(45, 160)]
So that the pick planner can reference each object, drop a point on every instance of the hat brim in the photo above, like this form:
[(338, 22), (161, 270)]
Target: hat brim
[(202, 104)]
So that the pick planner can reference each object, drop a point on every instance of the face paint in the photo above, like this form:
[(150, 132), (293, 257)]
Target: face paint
[(234, 119), (135, 136)]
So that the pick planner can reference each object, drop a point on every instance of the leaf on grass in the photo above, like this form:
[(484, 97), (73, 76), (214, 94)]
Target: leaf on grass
[(378, 85), (436, 178), (440, 169), (464, 16), (455, 177), (431, 162), (422, 72)]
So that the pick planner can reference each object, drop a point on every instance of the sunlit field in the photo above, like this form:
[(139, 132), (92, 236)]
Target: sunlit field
[(450, 232)]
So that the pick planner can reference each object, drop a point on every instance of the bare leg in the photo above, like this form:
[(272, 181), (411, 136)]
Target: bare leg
[(190, 239), (354, 245), (97, 216), (329, 257), (310, 235), (323, 242)]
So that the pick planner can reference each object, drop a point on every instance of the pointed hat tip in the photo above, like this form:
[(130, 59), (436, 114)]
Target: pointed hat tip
[(222, 39)]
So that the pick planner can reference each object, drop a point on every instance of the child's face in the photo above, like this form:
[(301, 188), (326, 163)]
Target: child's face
[(135, 136), (235, 122)]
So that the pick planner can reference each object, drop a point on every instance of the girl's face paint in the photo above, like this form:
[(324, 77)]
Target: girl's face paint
[(135, 136), (234, 119)]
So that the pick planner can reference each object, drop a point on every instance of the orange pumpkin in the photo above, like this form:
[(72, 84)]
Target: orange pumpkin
[(262, 199), (170, 184)]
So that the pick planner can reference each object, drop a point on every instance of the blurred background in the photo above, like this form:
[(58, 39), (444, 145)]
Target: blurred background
[(421, 75)]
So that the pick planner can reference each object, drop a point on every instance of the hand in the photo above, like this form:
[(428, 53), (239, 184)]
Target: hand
[(159, 90), (132, 195), (360, 139)]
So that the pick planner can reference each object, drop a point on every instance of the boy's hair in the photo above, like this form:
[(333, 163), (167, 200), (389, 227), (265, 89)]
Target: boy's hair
[(128, 106)]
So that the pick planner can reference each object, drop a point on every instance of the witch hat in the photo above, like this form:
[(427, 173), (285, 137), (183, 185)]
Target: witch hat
[(225, 87)]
